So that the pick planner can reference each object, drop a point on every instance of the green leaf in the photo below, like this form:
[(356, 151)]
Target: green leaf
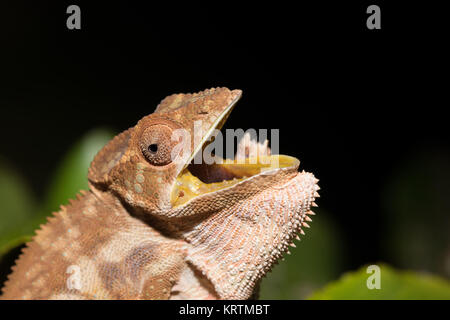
[(394, 285), (20, 215), (17, 208), (71, 175)]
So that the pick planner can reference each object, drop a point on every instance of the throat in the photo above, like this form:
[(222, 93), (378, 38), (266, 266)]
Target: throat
[(237, 245), (192, 285)]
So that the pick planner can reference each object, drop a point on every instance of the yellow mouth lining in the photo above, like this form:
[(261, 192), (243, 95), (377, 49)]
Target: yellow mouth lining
[(189, 186)]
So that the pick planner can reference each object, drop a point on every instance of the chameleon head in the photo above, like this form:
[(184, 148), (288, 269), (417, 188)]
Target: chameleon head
[(239, 216), (143, 164)]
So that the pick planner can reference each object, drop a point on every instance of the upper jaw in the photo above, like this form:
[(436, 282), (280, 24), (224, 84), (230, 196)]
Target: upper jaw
[(195, 180), (214, 121)]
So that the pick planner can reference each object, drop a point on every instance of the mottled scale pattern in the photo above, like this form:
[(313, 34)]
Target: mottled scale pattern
[(126, 240), (118, 256), (236, 247)]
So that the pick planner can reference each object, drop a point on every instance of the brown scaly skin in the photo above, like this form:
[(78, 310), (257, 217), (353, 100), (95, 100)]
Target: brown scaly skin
[(130, 241)]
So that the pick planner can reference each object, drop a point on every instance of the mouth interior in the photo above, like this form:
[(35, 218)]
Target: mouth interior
[(198, 179)]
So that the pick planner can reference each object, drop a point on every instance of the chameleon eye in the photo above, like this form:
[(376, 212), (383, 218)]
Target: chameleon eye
[(156, 145), (153, 148)]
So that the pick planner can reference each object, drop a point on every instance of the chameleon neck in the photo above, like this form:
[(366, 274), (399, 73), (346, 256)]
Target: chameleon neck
[(93, 249), (235, 247)]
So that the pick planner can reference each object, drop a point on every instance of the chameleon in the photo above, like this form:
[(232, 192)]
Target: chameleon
[(155, 225)]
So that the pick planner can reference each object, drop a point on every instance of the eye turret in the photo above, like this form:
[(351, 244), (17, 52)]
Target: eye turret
[(156, 144)]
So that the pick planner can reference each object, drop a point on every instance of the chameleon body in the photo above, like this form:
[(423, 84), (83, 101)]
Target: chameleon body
[(150, 227)]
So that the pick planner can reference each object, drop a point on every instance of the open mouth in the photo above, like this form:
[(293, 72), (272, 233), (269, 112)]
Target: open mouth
[(198, 179)]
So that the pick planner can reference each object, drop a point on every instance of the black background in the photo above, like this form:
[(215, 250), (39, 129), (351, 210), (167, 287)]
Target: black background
[(350, 103)]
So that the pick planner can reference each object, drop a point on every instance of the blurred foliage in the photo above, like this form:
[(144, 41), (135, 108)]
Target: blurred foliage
[(71, 175), (20, 214), (395, 285), (417, 212), (304, 270), (412, 238), (18, 208)]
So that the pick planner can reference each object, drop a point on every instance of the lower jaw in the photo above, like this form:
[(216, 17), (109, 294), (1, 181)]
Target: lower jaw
[(199, 179)]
